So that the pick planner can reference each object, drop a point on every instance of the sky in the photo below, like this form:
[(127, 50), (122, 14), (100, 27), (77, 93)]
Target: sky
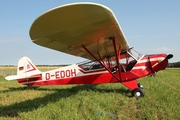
[(150, 26)]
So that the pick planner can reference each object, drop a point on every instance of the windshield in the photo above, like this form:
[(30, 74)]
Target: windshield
[(135, 54)]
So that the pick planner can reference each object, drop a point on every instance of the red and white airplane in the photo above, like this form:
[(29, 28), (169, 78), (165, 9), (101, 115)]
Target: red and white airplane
[(91, 31)]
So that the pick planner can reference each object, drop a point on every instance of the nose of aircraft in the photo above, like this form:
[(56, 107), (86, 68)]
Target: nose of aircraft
[(161, 63), (169, 56)]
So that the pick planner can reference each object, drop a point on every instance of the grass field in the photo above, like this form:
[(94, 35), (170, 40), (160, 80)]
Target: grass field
[(93, 102)]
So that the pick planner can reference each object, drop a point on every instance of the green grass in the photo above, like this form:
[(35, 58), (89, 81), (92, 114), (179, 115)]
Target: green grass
[(93, 102)]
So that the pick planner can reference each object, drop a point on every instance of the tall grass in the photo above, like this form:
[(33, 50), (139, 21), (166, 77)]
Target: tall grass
[(93, 102), (7, 70), (12, 70)]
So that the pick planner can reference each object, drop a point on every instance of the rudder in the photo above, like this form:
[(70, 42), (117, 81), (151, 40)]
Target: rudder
[(26, 68)]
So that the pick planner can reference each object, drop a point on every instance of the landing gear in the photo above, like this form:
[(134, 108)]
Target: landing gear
[(138, 92), (140, 86)]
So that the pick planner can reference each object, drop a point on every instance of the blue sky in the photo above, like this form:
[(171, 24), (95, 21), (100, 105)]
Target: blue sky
[(151, 26)]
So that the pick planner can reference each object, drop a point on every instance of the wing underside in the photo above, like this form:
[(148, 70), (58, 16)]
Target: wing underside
[(67, 28)]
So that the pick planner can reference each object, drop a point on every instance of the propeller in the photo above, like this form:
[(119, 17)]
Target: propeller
[(169, 56)]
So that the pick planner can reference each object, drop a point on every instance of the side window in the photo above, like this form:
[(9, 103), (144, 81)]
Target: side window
[(92, 65)]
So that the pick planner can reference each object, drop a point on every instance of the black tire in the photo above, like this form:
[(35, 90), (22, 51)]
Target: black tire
[(138, 92)]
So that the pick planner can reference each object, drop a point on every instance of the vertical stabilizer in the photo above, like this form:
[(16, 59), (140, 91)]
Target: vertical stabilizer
[(25, 69)]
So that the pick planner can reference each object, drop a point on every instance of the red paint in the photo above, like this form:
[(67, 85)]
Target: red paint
[(91, 71), (68, 73), (89, 79), (61, 74), (47, 76), (57, 74), (73, 73), (31, 66)]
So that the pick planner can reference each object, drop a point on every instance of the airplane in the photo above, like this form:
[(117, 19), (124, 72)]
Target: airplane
[(91, 31)]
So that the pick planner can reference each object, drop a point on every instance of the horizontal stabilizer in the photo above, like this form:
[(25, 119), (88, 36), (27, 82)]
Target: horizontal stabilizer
[(16, 77)]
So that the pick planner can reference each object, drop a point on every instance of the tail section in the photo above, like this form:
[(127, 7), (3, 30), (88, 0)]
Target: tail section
[(25, 69)]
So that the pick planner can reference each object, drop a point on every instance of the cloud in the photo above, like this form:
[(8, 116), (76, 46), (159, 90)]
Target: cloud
[(164, 35), (156, 50), (12, 40), (163, 49), (136, 36)]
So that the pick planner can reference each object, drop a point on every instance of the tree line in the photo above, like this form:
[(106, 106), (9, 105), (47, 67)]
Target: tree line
[(174, 65), (170, 65)]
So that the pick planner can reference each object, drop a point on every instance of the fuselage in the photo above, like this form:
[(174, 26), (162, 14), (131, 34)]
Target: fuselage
[(76, 74)]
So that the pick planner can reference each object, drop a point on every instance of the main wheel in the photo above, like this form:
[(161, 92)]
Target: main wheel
[(138, 92)]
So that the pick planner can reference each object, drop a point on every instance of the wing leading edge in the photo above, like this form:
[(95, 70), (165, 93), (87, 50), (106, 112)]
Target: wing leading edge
[(66, 28)]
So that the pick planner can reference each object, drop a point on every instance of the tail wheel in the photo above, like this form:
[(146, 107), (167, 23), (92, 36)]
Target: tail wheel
[(138, 92)]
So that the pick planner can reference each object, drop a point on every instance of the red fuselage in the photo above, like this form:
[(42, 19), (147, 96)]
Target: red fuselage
[(74, 74)]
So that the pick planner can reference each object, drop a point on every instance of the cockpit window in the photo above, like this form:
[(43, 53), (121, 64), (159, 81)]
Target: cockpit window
[(128, 59), (91, 65)]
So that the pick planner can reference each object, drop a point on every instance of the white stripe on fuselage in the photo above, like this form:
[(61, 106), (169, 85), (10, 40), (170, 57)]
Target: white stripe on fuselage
[(143, 61), (151, 59)]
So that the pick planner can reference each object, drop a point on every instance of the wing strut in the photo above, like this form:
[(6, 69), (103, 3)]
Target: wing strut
[(100, 62), (117, 53)]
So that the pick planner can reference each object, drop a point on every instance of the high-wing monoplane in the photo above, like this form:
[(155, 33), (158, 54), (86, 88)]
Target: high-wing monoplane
[(90, 31)]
